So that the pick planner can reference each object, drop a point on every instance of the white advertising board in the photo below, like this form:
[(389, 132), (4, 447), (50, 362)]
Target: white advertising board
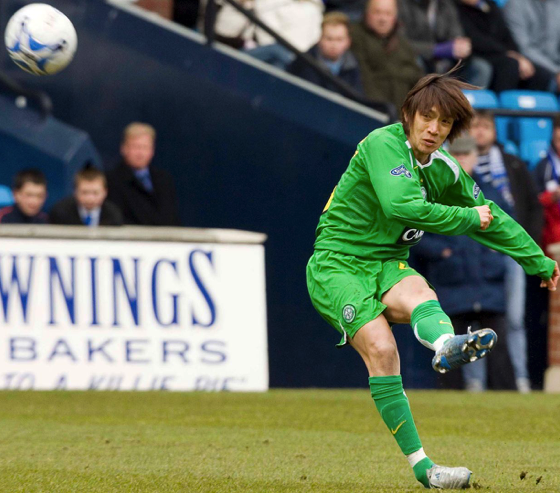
[(132, 315)]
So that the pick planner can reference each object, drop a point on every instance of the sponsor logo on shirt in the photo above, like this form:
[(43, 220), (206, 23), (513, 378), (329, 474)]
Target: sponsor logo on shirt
[(476, 191), (401, 170), (410, 236)]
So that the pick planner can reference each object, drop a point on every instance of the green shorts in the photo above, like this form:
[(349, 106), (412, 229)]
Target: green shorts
[(347, 290)]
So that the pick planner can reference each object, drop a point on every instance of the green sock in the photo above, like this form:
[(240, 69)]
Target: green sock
[(429, 323), (392, 404)]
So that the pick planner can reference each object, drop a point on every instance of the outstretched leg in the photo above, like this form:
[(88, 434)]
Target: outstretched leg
[(377, 346)]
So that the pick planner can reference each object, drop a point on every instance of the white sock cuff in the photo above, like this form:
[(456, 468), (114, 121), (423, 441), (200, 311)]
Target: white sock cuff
[(416, 457), (440, 341)]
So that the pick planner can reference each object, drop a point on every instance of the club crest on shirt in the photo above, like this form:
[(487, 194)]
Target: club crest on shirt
[(348, 313), (476, 191), (401, 170)]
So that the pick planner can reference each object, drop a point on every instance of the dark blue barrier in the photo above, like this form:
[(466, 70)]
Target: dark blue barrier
[(249, 149), (29, 140)]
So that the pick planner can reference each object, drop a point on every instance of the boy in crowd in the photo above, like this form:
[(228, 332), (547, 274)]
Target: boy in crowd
[(88, 205), (30, 192)]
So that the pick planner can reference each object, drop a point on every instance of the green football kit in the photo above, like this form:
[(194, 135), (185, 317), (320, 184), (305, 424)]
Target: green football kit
[(381, 207)]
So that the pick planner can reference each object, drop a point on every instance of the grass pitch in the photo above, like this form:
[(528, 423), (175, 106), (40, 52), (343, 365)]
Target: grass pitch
[(281, 441)]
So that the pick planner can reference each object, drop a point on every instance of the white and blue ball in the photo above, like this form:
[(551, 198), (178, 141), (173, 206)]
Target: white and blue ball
[(40, 39)]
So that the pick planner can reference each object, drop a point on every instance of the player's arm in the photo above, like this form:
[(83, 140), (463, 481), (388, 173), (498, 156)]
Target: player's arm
[(503, 234), (399, 191)]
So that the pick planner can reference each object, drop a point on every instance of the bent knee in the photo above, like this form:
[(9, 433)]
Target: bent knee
[(382, 350)]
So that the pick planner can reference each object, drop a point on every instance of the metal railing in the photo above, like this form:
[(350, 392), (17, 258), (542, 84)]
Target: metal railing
[(40, 98), (345, 89)]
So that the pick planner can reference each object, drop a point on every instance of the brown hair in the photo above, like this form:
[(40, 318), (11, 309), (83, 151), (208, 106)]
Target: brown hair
[(336, 19), (485, 115), (28, 175), (90, 174), (556, 122), (446, 94), (135, 129)]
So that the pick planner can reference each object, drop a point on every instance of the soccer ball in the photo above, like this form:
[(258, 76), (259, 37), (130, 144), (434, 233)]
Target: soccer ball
[(40, 39)]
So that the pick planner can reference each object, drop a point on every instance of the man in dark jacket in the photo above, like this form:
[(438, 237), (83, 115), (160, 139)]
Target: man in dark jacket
[(510, 177), (387, 61), (485, 25), (470, 281), (333, 52), (29, 189), (145, 194), (88, 205)]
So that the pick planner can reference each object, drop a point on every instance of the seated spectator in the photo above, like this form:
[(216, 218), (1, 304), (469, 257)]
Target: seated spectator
[(534, 25), (547, 177), (469, 279), (436, 34), (87, 206), (333, 53), (491, 39), (387, 61), (233, 28), (144, 194), (298, 22), (30, 192)]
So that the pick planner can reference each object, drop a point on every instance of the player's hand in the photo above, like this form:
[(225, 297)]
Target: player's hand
[(486, 216), (551, 283)]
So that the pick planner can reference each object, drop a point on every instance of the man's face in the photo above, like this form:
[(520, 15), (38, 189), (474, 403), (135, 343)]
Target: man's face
[(556, 140), (428, 132), (483, 131), (30, 198), (471, 2), (90, 194), (138, 151), (381, 16), (468, 161), (334, 41)]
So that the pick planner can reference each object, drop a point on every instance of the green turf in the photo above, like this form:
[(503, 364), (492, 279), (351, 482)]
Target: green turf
[(281, 441)]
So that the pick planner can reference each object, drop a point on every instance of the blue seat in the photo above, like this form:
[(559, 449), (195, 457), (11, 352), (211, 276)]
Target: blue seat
[(500, 3), (6, 197), (482, 99), (511, 147), (503, 124), (528, 100), (533, 151)]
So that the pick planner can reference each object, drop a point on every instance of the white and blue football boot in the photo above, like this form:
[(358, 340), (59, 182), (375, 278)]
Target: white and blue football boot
[(448, 478), (463, 349)]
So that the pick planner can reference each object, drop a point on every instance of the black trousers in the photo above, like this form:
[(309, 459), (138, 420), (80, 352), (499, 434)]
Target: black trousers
[(506, 75), (499, 370)]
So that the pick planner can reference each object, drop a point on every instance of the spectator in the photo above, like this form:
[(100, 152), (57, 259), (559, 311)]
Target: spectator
[(297, 21), (233, 28), (30, 192), (534, 25), (87, 206), (469, 279), (435, 32), (491, 39), (144, 194), (387, 61), (547, 173), (332, 52), (509, 176)]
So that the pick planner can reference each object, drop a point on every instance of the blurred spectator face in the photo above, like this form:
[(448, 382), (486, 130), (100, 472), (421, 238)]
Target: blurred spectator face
[(334, 42), (483, 131), (556, 140), (90, 194), (30, 198), (138, 150), (474, 3), (381, 16), (468, 161)]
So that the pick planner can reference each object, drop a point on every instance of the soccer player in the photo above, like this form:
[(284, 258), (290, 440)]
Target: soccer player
[(399, 184)]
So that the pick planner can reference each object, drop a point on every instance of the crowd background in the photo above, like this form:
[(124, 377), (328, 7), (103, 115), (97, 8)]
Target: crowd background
[(380, 48)]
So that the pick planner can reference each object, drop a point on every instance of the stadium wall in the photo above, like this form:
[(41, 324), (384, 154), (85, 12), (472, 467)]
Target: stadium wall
[(250, 148)]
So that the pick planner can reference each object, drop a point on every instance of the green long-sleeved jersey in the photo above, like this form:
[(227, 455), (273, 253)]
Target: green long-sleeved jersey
[(386, 199)]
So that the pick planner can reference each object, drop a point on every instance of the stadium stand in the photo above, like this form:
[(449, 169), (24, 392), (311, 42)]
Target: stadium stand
[(6, 197)]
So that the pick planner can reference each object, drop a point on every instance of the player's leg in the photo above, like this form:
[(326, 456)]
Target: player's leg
[(411, 300), (377, 346)]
